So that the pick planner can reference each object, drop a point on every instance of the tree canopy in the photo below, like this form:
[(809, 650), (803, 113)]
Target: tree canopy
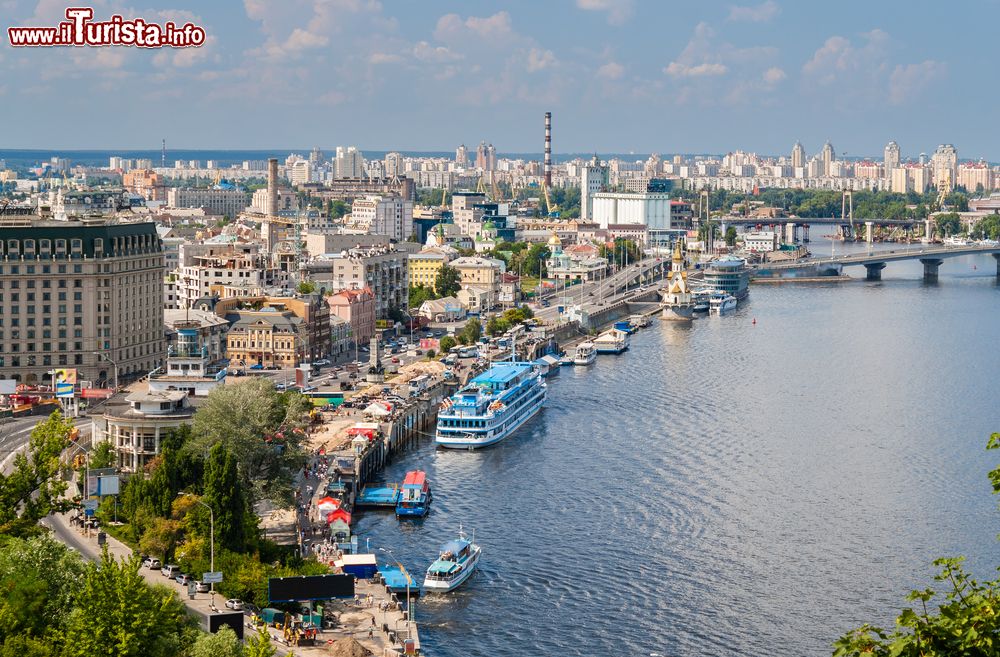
[(262, 429), (33, 489), (448, 282)]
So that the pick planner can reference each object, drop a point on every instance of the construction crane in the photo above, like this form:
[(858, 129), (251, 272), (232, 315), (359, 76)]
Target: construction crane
[(551, 209), (497, 196)]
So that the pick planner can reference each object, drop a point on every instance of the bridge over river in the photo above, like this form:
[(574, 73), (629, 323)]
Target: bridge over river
[(875, 261)]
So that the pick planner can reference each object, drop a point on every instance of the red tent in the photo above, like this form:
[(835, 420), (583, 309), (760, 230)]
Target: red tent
[(339, 514)]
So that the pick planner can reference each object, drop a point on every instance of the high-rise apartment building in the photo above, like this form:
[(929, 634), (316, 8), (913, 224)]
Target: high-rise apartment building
[(461, 156), (827, 156), (86, 295), (798, 155), (383, 215), (891, 158), (944, 164), (349, 163)]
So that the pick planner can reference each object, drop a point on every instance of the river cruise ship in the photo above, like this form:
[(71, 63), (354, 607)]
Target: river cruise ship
[(491, 406)]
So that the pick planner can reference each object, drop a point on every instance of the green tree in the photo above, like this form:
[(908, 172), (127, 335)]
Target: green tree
[(259, 645), (263, 430), (948, 223), (471, 332), (496, 326), (160, 538), (447, 343), (34, 490), (22, 645), (965, 622), (531, 263), (118, 614), (731, 236), (448, 281), (39, 579), (103, 456), (225, 497), (306, 287), (419, 294), (223, 643)]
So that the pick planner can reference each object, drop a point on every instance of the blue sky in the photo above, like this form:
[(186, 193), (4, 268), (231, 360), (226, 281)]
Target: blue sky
[(618, 75)]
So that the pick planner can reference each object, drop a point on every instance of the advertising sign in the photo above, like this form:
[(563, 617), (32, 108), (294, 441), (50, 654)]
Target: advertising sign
[(212, 577), (65, 382)]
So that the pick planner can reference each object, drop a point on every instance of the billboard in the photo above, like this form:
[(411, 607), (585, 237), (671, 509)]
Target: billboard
[(231, 619), (65, 381), (316, 587), (8, 386)]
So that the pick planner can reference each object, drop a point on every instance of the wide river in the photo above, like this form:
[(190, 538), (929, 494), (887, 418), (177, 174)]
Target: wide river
[(729, 487)]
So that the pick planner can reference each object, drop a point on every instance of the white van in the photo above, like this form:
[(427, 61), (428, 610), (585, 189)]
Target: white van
[(170, 571)]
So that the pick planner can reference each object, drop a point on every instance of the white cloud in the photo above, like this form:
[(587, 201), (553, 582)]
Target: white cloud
[(774, 75), (761, 13), (539, 60), (611, 71), (425, 52), (301, 39), (384, 58), (451, 27), (677, 70), (838, 56), (908, 81), (619, 11)]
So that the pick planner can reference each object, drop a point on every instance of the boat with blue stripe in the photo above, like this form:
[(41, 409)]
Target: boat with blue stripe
[(491, 406), (455, 565), (414, 496)]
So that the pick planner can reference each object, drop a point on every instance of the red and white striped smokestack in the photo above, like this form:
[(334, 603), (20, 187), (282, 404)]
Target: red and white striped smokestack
[(548, 149)]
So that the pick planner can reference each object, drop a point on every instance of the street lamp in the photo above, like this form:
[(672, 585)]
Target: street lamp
[(211, 525), (108, 358), (86, 479), (409, 600)]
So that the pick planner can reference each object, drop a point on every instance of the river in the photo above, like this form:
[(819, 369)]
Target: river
[(729, 487)]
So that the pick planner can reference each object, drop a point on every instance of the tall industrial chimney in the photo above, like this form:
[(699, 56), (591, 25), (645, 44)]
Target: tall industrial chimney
[(272, 187), (548, 149)]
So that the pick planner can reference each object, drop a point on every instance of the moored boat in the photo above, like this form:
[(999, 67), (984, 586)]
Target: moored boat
[(491, 406), (720, 303), (612, 341), (414, 495), (586, 353)]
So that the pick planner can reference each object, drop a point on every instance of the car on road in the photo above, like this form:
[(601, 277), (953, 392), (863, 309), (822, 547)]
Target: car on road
[(258, 366), (438, 334), (182, 579), (152, 563), (170, 571), (201, 587), (322, 362), (235, 604), (281, 387), (273, 367)]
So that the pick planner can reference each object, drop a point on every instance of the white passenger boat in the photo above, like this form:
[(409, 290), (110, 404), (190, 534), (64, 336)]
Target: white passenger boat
[(455, 565), (491, 406), (586, 353), (721, 303), (613, 341)]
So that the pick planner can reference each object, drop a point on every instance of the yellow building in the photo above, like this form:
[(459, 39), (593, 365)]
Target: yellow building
[(424, 265), (267, 337)]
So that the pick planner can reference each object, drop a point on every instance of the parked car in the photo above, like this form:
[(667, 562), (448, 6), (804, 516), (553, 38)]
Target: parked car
[(182, 579), (258, 366), (152, 563), (201, 587), (395, 359), (322, 362), (234, 604), (273, 367), (280, 387), (170, 571)]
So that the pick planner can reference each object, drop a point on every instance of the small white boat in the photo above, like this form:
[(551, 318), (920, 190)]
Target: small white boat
[(586, 353), (455, 565), (613, 341), (720, 303)]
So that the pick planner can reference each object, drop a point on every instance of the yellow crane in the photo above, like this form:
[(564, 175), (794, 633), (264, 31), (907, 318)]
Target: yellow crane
[(550, 209)]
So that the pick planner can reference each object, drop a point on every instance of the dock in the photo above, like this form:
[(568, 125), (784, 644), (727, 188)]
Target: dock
[(378, 495)]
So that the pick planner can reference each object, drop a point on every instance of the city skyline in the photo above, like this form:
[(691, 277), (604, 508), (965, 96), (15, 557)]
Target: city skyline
[(627, 76)]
